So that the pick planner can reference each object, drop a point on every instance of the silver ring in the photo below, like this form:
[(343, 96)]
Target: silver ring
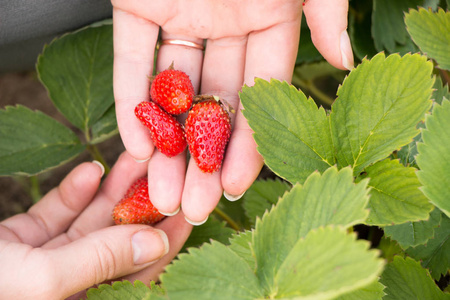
[(182, 43)]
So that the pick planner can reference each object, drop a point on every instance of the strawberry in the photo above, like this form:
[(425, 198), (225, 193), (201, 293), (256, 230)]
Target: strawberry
[(173, 91), (166, 132), (135, 207), (208, 130)]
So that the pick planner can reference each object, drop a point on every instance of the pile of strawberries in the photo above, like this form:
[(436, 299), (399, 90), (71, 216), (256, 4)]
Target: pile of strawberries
[(207, 128), (206, 131)]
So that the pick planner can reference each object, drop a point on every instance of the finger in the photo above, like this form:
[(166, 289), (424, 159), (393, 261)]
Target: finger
[(166, 178), (177, 230), (134, 46), (201, 194), (327, 20), (55, 212), (223, 75), (106, 254), (166, 175), (270, 54), (98, 214)]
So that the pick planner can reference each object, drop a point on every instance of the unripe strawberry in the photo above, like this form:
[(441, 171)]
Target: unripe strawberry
[(173, 91), (135, 207), (166, 132), (208, 130)]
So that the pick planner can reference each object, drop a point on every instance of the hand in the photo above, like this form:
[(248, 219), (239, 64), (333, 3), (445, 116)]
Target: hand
[(65, 243), (244, 40)]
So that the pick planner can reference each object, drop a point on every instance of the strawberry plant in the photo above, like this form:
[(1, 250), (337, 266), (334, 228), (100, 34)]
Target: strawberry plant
[(357, 201)]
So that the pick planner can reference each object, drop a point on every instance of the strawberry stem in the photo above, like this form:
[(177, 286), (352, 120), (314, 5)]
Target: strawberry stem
[(227, 219)]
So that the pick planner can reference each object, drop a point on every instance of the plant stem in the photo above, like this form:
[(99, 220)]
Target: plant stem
[(227, 219), (95, 153), (35, 189)]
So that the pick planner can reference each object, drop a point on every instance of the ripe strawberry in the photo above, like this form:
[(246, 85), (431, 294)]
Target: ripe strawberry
[(167, 133), (136, 207), (208, 130), (173, 91)]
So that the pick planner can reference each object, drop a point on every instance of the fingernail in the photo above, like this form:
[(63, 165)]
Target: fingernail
[(141, 160), (100, 165), (196, 223), (170, 214), (143, 243), (346, 51), (232, 198)]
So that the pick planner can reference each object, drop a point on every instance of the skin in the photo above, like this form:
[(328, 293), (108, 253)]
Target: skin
[(68, 234), (66, 242), (244, 40)]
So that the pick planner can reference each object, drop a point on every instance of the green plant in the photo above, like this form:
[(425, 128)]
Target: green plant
[(358, 206)]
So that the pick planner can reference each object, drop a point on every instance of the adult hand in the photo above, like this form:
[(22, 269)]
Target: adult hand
[(65, 243), (244, 40)]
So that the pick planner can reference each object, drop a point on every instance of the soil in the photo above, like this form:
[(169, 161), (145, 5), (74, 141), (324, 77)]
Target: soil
[(25, 89)]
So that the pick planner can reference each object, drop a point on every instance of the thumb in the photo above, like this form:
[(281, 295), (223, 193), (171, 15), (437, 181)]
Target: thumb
[(107, 254), (327, 20)]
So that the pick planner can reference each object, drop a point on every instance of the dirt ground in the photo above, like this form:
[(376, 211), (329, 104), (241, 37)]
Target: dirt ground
[(24, 88)]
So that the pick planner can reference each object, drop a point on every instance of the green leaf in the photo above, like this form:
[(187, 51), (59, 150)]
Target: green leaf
[(388, 27), (213, 271), (119, 290), (77, 70), (262, 195), (378, 107), (434, 157), (292, 134), (405, 279), (431, 32), (32, 142), (105, 127), (435, 254), (327, 263), (241, 245), (316, 70), (395, 196), (211, 230), (389, 249), (440, 91), (373, 291), (412, 234), (407, 154), (331, 198)]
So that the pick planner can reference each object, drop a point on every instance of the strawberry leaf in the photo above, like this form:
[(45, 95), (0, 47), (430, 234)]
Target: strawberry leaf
[(331, 198), (212, 229), (241, 245), (126, 290), (435, 254), (395, 196), (77, 70), (33, 142), (431, 32), (373, 291), (292, 134), (405, 279), (212, 271), (378, 107), (105, 127), (434, 157), (388, 27), (349, 266), (262, 195), (412, 234)]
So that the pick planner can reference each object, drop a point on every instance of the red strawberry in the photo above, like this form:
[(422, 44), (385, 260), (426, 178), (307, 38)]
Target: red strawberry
[(173, 91), (136, 207), (167, 133), (208, 130)]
